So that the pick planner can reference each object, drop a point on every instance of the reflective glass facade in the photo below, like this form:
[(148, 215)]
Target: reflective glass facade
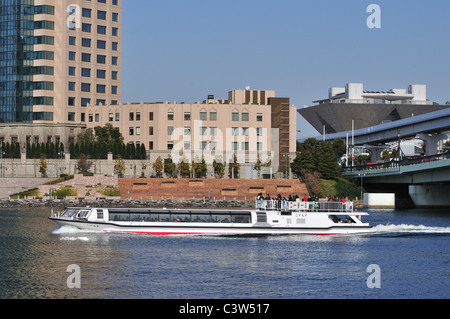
[(16, 63)]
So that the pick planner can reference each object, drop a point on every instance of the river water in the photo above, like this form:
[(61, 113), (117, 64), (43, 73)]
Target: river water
[(410, 248)]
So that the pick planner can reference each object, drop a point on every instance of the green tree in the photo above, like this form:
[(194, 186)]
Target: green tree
[(200, 168), (339, 147), (219, 167), (169, 167), (326, 161), (43, 166), (158, 166), (234, 167), (83, 165), (183, 168), (119, 166)]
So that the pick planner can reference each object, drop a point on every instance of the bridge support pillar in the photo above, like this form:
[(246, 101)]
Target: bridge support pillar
[(431, 142), (375, 150), (430, 195)]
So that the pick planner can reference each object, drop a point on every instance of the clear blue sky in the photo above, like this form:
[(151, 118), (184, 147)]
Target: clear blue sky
[(180, 50)]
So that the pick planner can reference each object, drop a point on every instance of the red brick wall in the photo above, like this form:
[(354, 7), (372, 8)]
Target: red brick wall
[(156, 188)]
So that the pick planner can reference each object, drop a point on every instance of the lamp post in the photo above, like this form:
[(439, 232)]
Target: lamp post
[(362, 175), (353, 138)]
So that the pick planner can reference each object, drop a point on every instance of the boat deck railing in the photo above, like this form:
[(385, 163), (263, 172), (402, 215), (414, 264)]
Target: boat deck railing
[(315, 206)]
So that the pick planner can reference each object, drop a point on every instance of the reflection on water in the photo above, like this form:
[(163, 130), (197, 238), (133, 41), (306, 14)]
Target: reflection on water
[(35, 255)]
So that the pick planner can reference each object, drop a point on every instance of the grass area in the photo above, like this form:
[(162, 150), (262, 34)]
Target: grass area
[(66, 192), (109, 192), (339, 187), (60, 180), (27, 194)]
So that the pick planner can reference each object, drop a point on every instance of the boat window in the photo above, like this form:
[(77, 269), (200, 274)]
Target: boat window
[(70, 212), (201, 218), (240, 219), (83, 213), (261, 217), (117, 217), (181, 218), (99, 213), (221, 218)]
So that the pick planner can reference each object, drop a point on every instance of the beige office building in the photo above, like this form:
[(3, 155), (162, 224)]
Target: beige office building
[(71, 58), (251, 124)]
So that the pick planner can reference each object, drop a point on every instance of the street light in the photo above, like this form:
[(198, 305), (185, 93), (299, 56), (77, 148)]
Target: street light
[(353, 138), (362, 175)]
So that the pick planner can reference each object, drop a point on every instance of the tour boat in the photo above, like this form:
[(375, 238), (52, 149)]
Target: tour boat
[(269, 217)]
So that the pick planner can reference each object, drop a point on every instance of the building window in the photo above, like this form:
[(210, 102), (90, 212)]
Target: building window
[(101, 15), (259, 117), (150, 130), (245, 116), (245, 146), (213, 116), (235, 131), (150, 116), (203, 116), (131, 116), (187, 116), (235, 116), (169, 130), (150, 145), (85, 57), (117, 117), (245, 131), (170, 116), (212, 146), (213, 131), (259, 131), (71, 117), (138, 131), (259, 146), (131, 131), (187, 145), (235, 146), (170, 146), (203, 130), (187, 131), (111, 117)]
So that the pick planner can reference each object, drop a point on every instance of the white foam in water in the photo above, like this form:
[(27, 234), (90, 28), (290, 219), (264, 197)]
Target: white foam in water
[(74, 238), (410, 229)]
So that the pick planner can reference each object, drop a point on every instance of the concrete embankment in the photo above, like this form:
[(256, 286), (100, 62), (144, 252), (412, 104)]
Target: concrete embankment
[(110, 203)]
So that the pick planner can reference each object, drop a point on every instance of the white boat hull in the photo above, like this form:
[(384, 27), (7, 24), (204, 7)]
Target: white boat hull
[(223, 230)]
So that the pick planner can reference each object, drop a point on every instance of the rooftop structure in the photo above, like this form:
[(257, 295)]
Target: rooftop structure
[(352, 107)]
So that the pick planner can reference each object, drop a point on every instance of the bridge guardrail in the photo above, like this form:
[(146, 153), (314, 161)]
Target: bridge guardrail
[(404, 162)]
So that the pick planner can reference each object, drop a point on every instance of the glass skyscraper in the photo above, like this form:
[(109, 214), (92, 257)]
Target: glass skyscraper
[(56, 57), (16, 60)]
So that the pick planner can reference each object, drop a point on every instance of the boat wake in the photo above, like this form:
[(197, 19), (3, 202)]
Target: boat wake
[(409, 229), (66, 231)]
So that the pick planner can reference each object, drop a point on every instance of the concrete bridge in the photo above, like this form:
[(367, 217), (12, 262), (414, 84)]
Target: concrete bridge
[(426, 179)]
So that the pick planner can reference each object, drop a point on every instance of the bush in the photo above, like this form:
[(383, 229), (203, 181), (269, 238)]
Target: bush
[(65, 192)]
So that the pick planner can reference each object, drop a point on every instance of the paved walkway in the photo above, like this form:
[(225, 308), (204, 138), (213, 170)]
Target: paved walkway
[(9, 186)]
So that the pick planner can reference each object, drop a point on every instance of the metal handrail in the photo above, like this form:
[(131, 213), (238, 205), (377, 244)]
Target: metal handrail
[(404, 162)]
